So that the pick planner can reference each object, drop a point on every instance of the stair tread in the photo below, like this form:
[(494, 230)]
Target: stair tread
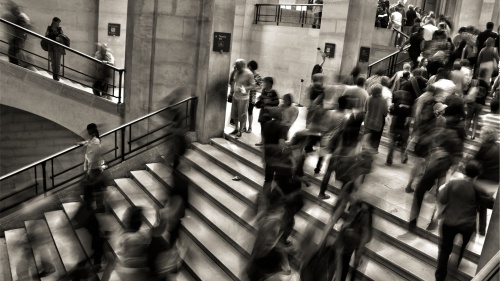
[(322, 215), (242, 236), (151, 185), (474, 247), (4, 262), (65, 239), (139, 198), (43, 245), (71, 209), (215, 244), (21, 259), (161, 171)]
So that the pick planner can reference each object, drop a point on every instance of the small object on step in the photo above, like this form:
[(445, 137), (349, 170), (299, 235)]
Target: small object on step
[(236, 178)]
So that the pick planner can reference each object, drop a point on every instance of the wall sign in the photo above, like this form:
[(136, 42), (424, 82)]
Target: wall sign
[(330, 50), (113, 29), (364, 54), (222, 42)]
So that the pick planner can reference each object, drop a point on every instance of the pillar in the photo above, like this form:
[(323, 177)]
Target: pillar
[(490, 246), (487, 13), (469, 13), (113, 11), (213, 70)]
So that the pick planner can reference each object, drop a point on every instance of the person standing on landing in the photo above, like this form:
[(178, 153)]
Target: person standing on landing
[(243, 84), (55, 32), (253, 66)]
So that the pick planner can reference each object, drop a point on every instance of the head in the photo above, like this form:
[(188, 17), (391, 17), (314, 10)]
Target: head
[(267, 83), (56, 22), (15, 10), (92, 130), (472, 169), (407, 67), (490, 25), (411, 7), (462, 30), (465, 63), (342, 102), (132, 219), (252, 65), (456, 66), (103, 48), (489, 134), (424, 62), (356, 71), (418, 72), (421, 31), (494, 106), (490, 42), (385, 81), (240, 64), (288, 99), (360, 82), (439, 35), (439, 108), (376, 90), (406, 75), (418, 21)]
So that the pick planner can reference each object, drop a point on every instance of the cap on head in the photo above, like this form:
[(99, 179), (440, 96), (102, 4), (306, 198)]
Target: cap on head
[(439, 107)]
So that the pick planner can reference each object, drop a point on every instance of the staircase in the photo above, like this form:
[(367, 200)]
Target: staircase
[(218, 229)]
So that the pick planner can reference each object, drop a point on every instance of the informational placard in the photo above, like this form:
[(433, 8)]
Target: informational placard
[(330, 50), (113, 29), (364, 54), (222, 42)]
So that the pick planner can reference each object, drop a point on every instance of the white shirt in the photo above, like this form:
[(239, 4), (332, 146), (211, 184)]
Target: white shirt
[(397, 18), (428, 31)]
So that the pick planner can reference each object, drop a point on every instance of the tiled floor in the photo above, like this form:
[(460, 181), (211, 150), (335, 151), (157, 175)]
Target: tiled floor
[(385, 185)]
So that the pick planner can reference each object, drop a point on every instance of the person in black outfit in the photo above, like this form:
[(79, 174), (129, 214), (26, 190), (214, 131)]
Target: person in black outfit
[(411, 15), (55, 32), (417, 42), (400, 125), (483, 36)]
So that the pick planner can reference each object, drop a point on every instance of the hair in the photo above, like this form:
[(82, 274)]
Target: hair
[(385, 81), (489, 134), (490, 25), (495, 106), (92, 130), (360, 82), (376, 90), (268, 80), (457, 65), (289, 97), (462, 29), (418, 72), (472, 169), (380, 72), (490, 42), (420, 30), (465, 62), (56, 19), (410, 7), (439, 34), (253, 65), (342, 102), (418, 20), (132, 219), (356, 71), (406, 75)]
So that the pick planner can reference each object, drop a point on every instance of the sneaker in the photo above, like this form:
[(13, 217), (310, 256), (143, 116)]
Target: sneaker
[(412, 226), (259, 144), (288, 243), (408, 189), (249, 130), (238, 134), (323, 196), (234, 132), (244, 130), (236, 178), (432, 225), (388, 163)]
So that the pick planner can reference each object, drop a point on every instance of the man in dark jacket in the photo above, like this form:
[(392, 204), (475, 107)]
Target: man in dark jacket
[(483, 36)]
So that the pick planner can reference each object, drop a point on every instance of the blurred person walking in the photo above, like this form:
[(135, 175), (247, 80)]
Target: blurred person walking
[(400, 124), (16, 46), (104, 73), (267, 99), (375, 113), (487, 61), (55, 32)]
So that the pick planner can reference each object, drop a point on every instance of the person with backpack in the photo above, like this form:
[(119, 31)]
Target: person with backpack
[(400, 125), (461, 200)]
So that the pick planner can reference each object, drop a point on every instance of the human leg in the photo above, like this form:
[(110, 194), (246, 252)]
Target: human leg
[(242, 114), (234, 114), (250, 117), (392, 144), (475, 119), (448, 234)]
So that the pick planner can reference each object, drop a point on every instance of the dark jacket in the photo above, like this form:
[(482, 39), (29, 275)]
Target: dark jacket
[(58, 36)]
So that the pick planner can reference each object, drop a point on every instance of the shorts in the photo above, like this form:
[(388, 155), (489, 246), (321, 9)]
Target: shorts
[(250, 108), (473, 109)]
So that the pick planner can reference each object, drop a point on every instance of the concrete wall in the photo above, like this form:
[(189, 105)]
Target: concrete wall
[(62, 104), (113, 11)]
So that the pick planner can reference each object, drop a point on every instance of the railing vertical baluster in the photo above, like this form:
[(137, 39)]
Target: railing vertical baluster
[(114, 76), (52, 171), (256, 17), (116, 143), (44, 176), (123, 143), (62, 67), (36, 181), (276, 15), (187, 113), (120, 87), (129, 139)]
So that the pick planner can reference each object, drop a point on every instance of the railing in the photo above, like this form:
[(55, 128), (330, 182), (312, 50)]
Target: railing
[(126, 141), (490, 271), (295, 14), (391, 61), (75, 66), (396, 39)]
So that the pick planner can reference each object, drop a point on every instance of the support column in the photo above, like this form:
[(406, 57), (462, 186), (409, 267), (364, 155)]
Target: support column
[(213, 70), (469, 13), (490, 246)]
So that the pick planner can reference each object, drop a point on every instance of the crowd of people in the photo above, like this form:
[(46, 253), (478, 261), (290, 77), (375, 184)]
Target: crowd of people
[(430, 108)]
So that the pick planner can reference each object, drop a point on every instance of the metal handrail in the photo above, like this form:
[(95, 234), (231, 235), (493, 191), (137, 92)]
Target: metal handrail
[(487, 272), (278, 14), (57, 43), (120, 145), (406, 36), (388, 56)]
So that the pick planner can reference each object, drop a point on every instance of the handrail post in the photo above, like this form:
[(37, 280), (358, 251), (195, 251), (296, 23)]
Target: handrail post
[(192, 116), (256, 14), (123, 143), (44, 176), (120, 87)]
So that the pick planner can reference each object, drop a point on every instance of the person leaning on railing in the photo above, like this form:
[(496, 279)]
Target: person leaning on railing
[(55, 32), (104, 73)]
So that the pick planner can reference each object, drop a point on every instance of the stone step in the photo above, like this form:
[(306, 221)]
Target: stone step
[(4, 262), (71, 209), (198, 264), (312, 209), (153, 187), (221, 252), (43, 246), (136, 196), (67, 243), (371, 268), (21, 259), (394, 214)]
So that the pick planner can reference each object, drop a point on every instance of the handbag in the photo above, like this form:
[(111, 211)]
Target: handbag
[(65, 40), (44, 44)]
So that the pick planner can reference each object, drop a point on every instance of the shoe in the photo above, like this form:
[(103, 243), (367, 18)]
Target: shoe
[(473, 137), (231, 122), (244, 130), (288, 243), (432, 225), (388, 164), (412, 226), (405, 159), (408, 189), (323, 196), (259, 144), (236, 178), (238, 134), (249, 130), (234, 132)]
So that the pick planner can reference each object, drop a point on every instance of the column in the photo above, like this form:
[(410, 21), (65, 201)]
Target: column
[(469, 13), (490, 246)]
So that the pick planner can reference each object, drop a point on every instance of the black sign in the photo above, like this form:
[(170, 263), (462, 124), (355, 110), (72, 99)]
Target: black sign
[(330, 50), (113, 29), (364, 54), (222, 42)]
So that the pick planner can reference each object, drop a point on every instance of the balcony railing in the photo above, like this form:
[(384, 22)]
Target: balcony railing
[(390, 63), (292, 14), (75, 66), (119, 144)]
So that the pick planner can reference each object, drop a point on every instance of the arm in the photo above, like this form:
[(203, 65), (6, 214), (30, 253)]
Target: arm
[(404, 44), (443, 194), (273, 100)]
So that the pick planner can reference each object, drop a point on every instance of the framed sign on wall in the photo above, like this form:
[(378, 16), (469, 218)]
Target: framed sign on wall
[(113, 29), (222, 42)]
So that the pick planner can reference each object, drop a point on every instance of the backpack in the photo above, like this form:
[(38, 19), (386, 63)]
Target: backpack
[(360, 215)]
